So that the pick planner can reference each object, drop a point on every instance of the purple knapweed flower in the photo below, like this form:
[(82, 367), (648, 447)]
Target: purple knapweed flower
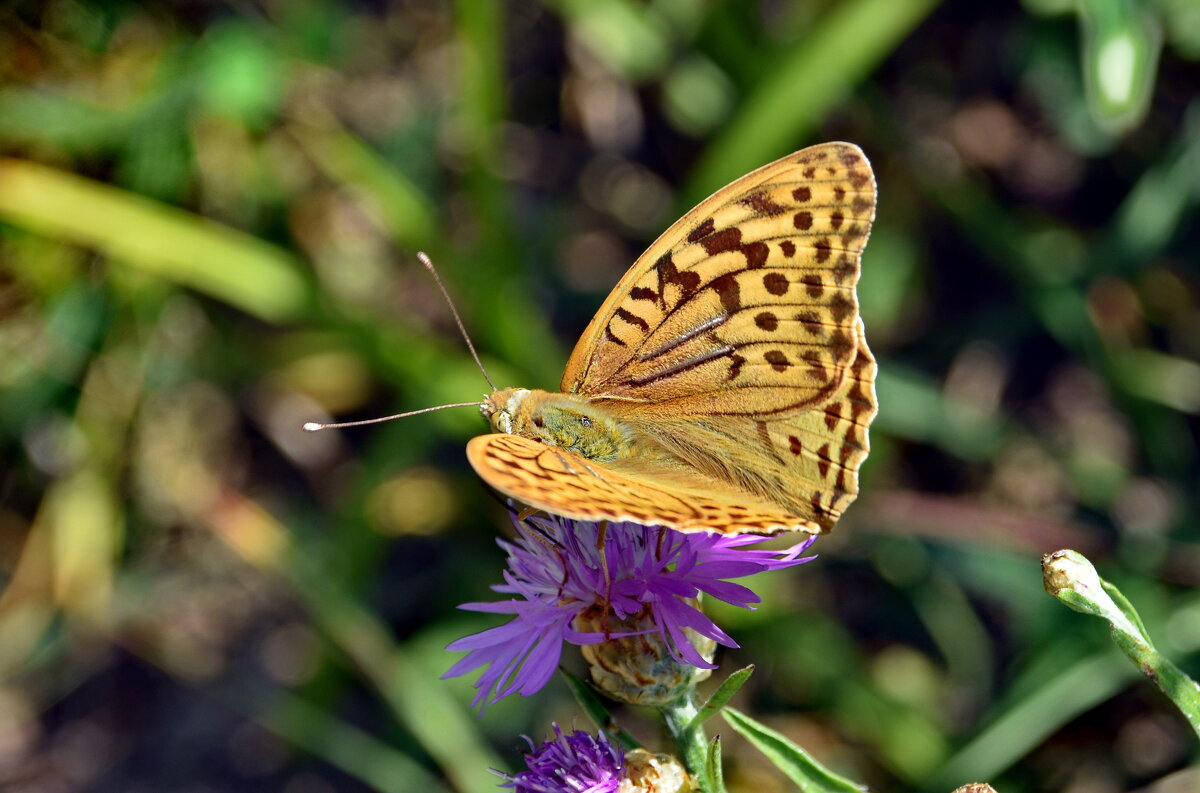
[(558, 568), (575, 763)]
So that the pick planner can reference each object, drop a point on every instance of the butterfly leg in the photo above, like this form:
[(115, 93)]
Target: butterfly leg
[(565, 464), (594, 472), (540, 536), (601, 536)]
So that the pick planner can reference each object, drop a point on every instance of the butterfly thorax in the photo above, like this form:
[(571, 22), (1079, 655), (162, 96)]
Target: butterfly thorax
[(567, 421)]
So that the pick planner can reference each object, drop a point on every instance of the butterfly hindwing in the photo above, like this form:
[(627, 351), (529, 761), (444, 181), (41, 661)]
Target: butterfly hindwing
[(806, 463), (746, 305), (822, 450)]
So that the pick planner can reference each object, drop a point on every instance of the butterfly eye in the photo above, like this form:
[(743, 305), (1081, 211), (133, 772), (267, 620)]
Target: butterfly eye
[(585, 421), (538, 421)]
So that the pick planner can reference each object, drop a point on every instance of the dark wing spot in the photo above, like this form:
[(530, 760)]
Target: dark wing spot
[(728, 290), (755, 253), (644, 293), (833, 414), (859, 180), (794, 445), (858, 403), (788, 247), (813, 282), (687, 281), (763, 205), (822, 248), (823, 460), (809, 173), (855, 232), (840, 345), (859, 205), (851, 159), (802, 194), (632, 319), (778, 360), (811, 322), (702, 231), (846, 267), (841, 307), (735, 365), (766, 320), (775, 283), (803, 220), (839, 194), (729, 239), (835, 220)]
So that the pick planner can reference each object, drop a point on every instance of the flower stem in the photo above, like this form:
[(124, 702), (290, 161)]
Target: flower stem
[(1070, 577), (689, 735)]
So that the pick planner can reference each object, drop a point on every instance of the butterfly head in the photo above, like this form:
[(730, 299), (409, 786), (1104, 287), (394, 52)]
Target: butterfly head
[(500, 407)]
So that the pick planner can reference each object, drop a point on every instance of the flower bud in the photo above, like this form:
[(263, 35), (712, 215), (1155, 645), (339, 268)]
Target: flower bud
[(1070, 577), (639, 669), (646, 772)]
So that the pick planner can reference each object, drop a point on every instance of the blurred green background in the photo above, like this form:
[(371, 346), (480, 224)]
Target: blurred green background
[(208, 215)]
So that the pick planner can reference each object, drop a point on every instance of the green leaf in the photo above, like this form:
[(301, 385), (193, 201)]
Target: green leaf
[(161, 240), (722, 695), (377, 764), (806, 81), (596, 710), (807, 773), (1022, 724), (714, 774)]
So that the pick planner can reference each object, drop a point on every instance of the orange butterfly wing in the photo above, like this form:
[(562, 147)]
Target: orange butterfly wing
[(567, 484), (746, 305)]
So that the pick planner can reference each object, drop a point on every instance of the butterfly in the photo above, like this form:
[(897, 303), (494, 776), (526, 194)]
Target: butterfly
[(725, 385)]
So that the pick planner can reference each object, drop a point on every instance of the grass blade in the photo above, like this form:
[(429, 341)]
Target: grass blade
[(807, 773), (170, 243), (838, 53)]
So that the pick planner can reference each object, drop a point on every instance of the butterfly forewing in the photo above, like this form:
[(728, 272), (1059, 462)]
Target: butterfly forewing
[(745, 306), (566, 484)]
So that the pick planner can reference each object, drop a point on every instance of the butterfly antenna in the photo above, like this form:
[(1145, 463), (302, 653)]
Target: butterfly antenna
[(313, 426), (425, 260)]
